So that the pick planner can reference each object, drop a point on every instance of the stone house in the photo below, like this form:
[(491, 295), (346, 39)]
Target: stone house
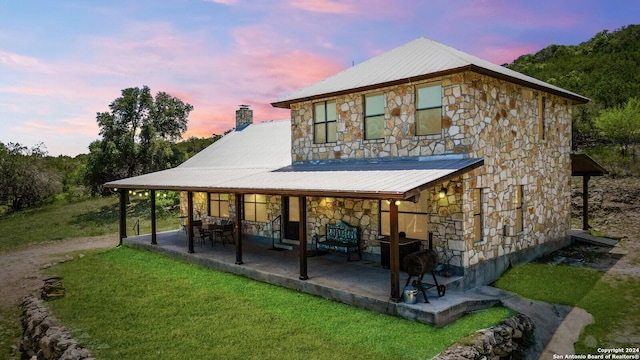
[(423, 140)]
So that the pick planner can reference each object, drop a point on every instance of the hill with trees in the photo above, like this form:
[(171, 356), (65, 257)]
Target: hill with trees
[(605, 69)]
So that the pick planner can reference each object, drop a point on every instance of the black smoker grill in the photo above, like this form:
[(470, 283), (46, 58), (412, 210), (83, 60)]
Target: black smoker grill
[(419, 263)]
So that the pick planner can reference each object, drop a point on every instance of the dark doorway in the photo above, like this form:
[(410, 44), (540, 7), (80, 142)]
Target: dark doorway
[(291, 217)]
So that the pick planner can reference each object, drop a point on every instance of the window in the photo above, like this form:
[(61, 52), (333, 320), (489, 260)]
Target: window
[(477, 214), (541, 120), (255, 207), (324, 119), (518, 204), (374, 117), (429, 110), (412, 218), (219, 205)]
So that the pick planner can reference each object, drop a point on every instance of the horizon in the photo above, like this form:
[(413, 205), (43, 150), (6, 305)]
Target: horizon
[(61, 63)]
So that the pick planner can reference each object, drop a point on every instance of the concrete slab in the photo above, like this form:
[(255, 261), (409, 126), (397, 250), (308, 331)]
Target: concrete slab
[(364, 284), (586, 237)]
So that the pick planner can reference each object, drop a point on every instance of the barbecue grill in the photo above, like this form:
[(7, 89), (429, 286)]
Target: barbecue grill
[(417, 264)]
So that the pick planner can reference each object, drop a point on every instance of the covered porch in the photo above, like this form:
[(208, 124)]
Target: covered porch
[(360, 283)]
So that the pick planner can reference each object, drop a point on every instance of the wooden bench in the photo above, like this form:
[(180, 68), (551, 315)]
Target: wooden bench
[(342, 237)]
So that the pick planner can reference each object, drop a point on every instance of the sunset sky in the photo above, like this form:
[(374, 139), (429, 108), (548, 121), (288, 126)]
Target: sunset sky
[(63, 61)]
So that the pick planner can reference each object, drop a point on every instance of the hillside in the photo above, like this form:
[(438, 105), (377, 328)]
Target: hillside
[(605, 69)]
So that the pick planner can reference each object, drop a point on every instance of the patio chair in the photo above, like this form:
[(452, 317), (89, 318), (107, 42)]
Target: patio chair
[(198, 231), (227, 232), (216, 232)]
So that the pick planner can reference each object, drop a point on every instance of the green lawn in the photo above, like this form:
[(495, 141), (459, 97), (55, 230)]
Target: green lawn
[(613, 302), (92, 217), (131, 304)]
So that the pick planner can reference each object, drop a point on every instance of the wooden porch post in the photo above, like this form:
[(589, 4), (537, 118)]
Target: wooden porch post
[(302, 208), (123, 215), (238, 229), (394, 251), (585, 202), (153, 218), (190, 221)]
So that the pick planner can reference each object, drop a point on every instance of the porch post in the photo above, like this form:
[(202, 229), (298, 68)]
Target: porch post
[(585, 202), (302, 208), (123, 215), (190, 221), (153, 218), (394, 251), (238, 229)]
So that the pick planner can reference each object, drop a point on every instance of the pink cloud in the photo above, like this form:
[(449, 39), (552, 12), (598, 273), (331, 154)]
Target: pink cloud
[(24, 63), (323, 6)]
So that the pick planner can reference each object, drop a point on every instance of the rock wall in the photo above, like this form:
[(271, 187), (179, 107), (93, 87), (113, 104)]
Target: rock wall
[(44, 338), (505, 340)]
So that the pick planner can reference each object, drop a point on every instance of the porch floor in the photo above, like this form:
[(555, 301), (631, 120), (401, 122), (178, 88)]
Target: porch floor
[(364, 284)]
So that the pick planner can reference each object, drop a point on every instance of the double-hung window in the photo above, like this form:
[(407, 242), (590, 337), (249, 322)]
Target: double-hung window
[(324, 122), (374, 117), (219, 205), (429, 110), (255, 207)]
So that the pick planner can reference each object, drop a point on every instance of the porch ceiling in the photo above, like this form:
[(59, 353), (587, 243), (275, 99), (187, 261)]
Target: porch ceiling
[(401, 179)]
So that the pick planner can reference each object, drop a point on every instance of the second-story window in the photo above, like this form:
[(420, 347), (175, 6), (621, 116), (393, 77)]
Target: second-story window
[(324, 122), (429, 110), (374, 116)]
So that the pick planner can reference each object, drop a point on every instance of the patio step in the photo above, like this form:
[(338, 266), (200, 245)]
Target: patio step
[(287, 244)]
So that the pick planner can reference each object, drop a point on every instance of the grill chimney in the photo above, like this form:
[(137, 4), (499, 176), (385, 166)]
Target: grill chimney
[(244, 117)]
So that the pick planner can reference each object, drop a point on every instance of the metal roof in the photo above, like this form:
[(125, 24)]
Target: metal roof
[(417, 60), (584, 165), (400, 179)]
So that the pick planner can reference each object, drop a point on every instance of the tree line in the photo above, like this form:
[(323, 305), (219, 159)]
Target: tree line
[(139, 134)]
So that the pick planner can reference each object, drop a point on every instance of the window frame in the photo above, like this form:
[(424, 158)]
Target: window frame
[(252, 200), (478, 215), (519, 205), (326, 122), (420, 212), (375, 116), (219, 201), (542, 122), (419, 109)]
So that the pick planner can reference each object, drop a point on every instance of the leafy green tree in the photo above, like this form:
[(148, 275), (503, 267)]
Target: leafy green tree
[(25, 180), (138, 136), (621, 124)]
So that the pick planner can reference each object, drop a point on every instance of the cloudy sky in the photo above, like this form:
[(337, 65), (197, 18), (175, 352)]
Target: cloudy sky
[(63, 61)]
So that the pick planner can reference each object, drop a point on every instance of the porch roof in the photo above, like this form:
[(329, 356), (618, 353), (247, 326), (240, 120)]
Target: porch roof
[(390, 179)]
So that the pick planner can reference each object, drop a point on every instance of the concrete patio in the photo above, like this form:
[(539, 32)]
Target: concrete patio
[(364, 284)]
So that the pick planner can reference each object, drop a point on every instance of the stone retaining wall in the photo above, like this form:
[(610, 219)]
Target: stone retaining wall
[(44, 338), (501, 341)]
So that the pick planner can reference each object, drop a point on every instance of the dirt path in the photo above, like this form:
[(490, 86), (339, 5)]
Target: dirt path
[(22, 272)]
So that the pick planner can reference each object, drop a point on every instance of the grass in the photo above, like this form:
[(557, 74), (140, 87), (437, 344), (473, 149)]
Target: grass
[(129, 304), (613, 302), (92, 217)]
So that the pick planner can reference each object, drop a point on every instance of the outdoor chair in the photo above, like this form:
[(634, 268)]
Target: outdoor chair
[(198, 231), (216, 232), (227, 232)]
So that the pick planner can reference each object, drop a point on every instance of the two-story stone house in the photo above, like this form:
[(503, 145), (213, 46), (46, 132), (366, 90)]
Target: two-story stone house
[(421, 139)]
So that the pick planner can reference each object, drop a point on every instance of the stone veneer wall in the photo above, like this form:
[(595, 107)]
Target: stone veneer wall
[(320, 211), (483, 117)]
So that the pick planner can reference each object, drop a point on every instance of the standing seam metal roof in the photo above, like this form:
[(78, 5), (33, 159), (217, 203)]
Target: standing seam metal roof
[(419, 59)]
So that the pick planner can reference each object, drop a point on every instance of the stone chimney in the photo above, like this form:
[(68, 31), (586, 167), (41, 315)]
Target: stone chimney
[(244, 117)]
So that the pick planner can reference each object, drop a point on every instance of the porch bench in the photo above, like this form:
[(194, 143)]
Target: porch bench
[(342, 237)]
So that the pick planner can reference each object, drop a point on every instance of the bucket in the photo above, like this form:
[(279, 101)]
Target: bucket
[(410, 294)]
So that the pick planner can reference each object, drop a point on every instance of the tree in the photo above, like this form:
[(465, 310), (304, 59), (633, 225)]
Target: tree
[(621, 124), (24, 178), (138, 136)]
